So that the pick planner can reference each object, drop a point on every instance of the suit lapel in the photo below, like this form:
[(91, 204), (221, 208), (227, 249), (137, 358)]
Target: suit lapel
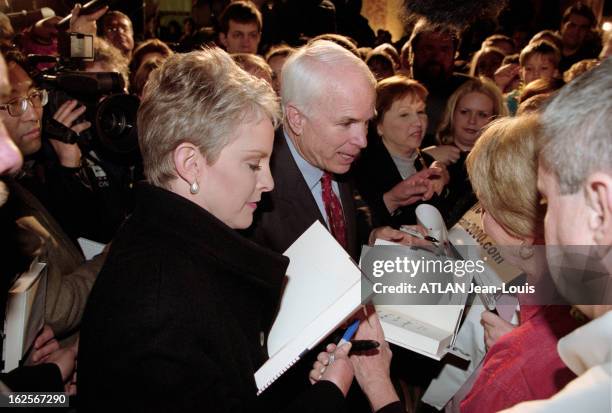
[(290, 185)]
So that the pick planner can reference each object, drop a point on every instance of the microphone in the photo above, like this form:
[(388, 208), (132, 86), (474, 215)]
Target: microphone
[(88, 8), (23, 19)]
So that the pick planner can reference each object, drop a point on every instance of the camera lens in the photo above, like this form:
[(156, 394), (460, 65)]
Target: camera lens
[(116, 123)]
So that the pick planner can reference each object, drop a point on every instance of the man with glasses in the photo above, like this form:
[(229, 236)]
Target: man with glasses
[(69, 277), (72, 185), (43, 375), (117, 29)]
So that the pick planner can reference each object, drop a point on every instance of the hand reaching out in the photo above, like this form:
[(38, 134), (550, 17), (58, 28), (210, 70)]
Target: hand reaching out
[(505, 75), (447, 154), (85, 24), (400, 237), (439, 181), (412, 189)]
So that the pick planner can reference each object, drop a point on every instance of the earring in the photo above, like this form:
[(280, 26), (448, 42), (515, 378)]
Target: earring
[(526, 252), (194, 188)]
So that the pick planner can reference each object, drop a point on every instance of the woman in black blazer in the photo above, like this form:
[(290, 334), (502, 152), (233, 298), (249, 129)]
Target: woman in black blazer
[(179, 316), (392, 175)]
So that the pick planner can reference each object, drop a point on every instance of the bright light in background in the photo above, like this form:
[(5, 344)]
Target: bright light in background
[(607, 26)]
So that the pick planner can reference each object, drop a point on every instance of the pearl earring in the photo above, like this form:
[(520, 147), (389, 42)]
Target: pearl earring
[(194, 188), (526, 252)]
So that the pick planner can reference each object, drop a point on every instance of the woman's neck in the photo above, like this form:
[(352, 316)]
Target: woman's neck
[(463, 147), (403, 153)]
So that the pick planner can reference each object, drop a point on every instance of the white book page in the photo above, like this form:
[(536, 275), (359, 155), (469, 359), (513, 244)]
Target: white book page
[(319, 272), (443, 317)]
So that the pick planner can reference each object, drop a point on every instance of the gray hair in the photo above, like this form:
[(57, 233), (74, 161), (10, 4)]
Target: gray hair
[(307, 72), (577, 126), (200, 97)]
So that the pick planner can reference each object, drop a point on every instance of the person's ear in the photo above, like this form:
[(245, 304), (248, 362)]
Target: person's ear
[(598, 193), (223, 39), (188, 162), (379, 130), (295, 119)]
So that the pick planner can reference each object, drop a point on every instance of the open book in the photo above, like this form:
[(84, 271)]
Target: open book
[(323, 289), (431, 330), (25, 311), (423, 323)]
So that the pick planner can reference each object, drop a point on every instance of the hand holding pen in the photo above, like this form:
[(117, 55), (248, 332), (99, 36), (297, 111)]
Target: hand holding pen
[(372, 368), (412, 230), (333, 364)]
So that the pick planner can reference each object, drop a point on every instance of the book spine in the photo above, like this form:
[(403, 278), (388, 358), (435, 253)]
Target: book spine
[(277, 375)]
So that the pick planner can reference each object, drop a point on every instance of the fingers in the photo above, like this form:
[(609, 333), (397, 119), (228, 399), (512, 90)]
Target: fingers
[(68, 112), (430, 190), (43, 337), (76, 10), (43, 352), (343, 351), (487, 317), (98, 14), (80, 127), (323, 357), (420, 228), (424, 174)]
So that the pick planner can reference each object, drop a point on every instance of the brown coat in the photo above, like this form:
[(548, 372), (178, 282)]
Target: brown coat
[(69, 276)]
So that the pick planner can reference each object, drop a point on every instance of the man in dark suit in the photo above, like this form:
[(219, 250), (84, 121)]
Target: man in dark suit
[(328, 98)]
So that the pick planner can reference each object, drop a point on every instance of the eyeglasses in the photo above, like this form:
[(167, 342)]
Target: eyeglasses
[(19, 106)]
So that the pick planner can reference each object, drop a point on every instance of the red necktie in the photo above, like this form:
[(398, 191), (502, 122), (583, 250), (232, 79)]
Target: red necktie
[(333, 208)]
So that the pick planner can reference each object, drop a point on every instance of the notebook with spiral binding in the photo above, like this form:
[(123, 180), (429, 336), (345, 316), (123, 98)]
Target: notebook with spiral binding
[(323, 288)]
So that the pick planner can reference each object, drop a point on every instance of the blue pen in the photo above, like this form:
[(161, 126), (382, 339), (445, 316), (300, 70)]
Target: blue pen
[(349, 333)]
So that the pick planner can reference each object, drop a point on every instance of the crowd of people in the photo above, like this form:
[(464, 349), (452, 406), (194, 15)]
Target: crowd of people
[(238, 153)]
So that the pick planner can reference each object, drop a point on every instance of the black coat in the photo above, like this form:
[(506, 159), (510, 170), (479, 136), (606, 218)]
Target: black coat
[(179, 316), (375, 173)]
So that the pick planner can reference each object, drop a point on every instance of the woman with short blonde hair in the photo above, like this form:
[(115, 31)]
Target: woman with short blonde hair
[(521, 363), (503, 172), (190, 99), (181, 311)]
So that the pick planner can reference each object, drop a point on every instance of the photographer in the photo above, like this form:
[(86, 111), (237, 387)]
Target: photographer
[(69, 278), (58, 174), (52, 366), (84, 184)]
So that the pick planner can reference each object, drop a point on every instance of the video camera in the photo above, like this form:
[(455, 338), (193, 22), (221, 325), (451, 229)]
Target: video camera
[(111, 111)]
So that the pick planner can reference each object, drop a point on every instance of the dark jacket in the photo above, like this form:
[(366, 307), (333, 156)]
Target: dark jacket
[(179, 316), (290, 209), (375, 173), (461, 196)]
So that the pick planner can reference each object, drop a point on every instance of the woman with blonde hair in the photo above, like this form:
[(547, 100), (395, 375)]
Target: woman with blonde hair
[(473, 105), (521, 363), (179, 316)]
